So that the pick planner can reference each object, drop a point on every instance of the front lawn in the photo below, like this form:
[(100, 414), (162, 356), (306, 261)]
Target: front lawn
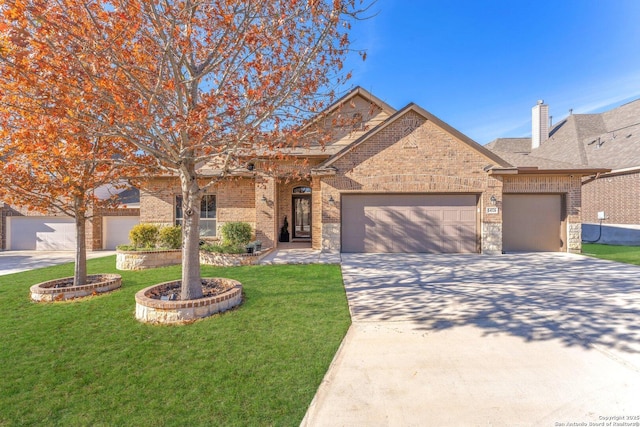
[(91, 363), (627, 254)]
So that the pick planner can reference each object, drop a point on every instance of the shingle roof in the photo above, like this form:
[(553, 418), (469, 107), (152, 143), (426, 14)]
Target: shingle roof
[(605, 140), (510, 145)]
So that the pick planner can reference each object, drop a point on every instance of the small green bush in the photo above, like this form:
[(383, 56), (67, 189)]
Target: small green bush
[(144, 235), (223, 249), (125, 248), (236, 233), (170, 237)]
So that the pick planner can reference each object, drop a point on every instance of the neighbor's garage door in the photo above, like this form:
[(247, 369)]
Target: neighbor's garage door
[(409, 223), (41, 233), (115, 230), (532, 222)]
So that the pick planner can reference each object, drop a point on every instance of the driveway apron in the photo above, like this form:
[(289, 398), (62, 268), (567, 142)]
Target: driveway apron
[(523, 339)]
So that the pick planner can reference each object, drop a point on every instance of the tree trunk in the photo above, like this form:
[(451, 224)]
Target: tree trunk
[(80, 269), (191, 198)]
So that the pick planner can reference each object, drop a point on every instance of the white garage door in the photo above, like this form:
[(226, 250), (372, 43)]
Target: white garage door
[(115, 230), (409, 223), (41, 233)]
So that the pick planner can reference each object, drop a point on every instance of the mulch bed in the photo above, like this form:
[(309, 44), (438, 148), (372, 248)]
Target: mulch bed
[(68, 282), (210, 287)]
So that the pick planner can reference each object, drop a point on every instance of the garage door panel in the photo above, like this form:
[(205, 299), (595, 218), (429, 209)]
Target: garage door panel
[(532, 222), (115, 230), (409, 223), (41, 233)]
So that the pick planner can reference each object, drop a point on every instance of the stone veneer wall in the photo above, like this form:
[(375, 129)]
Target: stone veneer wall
[(151, 310), (98, 283), (141, 260)]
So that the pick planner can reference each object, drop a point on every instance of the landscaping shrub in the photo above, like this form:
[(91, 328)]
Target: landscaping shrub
[(224, 249), (144, 235), (170, 237), (236, 233)]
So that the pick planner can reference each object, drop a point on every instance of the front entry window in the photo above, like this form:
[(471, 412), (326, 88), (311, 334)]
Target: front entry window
[(301, 202), (207, 214)]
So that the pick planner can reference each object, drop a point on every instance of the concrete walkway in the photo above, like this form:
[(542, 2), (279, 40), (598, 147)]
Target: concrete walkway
[(465, 340), (301, 256), (19, 261)]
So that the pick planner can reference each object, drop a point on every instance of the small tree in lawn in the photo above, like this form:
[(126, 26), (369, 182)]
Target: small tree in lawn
[(50, 170), (193, 82), (50, 161)]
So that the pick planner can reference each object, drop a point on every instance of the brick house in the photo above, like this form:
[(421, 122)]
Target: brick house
[(393, 181), (611, 140), (21, 229)]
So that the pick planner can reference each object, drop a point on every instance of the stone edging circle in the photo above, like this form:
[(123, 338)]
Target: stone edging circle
[(152, 310), (48, 292)]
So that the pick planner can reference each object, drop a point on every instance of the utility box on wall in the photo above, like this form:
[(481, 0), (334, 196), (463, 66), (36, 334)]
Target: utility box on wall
[(601, 215)]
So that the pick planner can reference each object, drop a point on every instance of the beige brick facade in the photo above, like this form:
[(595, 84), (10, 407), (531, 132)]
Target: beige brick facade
[(405, 152), (617, 195)]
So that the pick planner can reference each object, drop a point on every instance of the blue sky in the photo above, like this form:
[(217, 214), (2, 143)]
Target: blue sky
[(480, 65)]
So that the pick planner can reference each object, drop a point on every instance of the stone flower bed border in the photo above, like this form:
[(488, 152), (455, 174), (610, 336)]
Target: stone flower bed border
[(232, 260), (141, 260), (98, 284), (152, 310)]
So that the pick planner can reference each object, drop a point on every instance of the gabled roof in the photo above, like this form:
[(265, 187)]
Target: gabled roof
[(428, 116), (359, 91)]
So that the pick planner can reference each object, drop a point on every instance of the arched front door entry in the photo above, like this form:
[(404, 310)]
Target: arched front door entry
[(301, 203)]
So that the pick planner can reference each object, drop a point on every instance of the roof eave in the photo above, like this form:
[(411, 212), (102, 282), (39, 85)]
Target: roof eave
[(537, 171)]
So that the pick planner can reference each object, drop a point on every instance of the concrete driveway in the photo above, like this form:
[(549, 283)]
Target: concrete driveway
[(18, 261), (465, 340)]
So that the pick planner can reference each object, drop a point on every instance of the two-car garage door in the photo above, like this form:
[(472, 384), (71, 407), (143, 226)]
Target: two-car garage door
[(42, 233), (426, 223)]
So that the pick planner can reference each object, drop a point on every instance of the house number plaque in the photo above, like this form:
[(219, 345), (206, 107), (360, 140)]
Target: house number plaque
[(492, 210)]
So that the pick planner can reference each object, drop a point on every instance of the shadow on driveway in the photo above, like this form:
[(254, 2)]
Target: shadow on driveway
[(578, 300)]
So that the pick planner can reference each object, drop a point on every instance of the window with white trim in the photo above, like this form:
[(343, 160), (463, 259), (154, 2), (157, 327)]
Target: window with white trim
[(207, 214)]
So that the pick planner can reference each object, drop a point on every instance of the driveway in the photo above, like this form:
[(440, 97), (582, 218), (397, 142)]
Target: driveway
[(18, 261), (526, 339)]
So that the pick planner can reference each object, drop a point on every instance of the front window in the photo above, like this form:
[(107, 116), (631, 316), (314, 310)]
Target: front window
[(207, 215)]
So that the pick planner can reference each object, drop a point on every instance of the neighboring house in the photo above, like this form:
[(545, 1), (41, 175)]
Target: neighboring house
[(610, 140), (21, 229), (396, 181)]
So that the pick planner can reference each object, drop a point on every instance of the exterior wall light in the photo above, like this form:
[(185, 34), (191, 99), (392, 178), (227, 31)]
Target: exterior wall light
[(493, 200), (264, 199), (331, 200)]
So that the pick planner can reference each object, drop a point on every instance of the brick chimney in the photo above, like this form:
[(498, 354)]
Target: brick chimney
[(539, 124)]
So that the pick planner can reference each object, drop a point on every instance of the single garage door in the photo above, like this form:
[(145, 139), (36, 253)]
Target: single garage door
[(115, 230), (532, 223), (409, 223), (41, 233)]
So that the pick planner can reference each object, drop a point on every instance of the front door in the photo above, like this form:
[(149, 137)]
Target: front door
[(301, 216)]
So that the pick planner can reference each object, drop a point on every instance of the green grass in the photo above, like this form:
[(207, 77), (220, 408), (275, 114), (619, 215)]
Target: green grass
[(89, 362), (627, 254)]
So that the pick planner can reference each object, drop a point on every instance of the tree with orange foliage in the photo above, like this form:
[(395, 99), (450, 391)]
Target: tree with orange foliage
[(49, 163), (188, 82), (49, 167)]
